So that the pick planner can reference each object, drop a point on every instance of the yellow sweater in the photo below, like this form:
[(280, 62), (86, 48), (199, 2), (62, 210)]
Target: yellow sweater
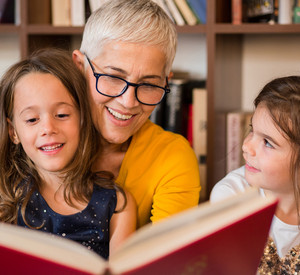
[(161, 171)]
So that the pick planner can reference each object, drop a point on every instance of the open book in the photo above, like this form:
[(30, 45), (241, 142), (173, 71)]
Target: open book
[(227, 237)]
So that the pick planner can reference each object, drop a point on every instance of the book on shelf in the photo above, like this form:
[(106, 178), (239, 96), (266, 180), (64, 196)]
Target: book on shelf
[(234, 140), (200, 134), (236, 11), (7, 12), (61, 12), (77, 13), (220, 147), (175, 12), (296, 12), (39, 12), (186, 12), (189, 131), (164, 6), (175, 116), (285, 15), (158, 115), (199, 8), (174, 112), (226, 237), (231, 129)]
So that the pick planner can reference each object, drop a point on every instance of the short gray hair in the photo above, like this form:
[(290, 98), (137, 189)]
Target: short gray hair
[(133, 21)]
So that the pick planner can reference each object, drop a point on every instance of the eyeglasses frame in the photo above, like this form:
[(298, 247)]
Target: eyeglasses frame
[(98, 75)]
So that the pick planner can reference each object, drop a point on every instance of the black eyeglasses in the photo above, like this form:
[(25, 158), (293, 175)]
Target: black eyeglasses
[(114, 86)]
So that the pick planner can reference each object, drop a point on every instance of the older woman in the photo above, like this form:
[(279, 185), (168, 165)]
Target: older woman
[(126, 53)]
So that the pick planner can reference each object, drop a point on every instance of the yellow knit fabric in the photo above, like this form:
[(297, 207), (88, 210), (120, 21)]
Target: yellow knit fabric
[(161, 171)]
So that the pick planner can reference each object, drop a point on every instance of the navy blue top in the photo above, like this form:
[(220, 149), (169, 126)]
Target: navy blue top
[(89, 227)]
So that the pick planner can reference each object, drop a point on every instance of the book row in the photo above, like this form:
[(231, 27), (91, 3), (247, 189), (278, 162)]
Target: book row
[(231, 129), (267, 11), (185, 12), (76, 12)]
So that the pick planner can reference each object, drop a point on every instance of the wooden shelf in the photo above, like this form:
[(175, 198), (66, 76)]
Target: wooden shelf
[(9, 28), (51, 30), (255, 28)]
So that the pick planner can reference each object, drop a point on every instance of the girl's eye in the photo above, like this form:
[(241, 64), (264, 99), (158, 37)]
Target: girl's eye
[(62, 115), (268, 144), (31, 120)]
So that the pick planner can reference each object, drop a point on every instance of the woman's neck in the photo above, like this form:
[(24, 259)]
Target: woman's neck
[(108, 147), (111, 157)]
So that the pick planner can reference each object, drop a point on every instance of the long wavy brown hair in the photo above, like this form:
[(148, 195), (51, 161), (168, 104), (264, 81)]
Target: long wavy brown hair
[(18, 174), (281, 96)]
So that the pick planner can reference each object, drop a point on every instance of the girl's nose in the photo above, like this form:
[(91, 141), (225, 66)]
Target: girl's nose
[(48, 126), (248, 145)]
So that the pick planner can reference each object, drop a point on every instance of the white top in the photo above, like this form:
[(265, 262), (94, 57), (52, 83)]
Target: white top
[(284, 235)]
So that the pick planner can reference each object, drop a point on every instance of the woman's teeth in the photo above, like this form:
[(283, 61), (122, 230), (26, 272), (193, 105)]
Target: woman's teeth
[(118, 115)]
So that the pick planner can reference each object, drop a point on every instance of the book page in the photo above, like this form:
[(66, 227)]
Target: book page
[(51, 247)]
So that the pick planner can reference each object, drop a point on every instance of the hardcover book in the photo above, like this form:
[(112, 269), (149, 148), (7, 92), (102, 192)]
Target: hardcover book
[(175, 12), (226, 237), (200, 135), (199, 8), (186, 12)]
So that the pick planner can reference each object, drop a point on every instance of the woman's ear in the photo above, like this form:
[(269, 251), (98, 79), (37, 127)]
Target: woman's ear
[(12, 132), (78, 59)]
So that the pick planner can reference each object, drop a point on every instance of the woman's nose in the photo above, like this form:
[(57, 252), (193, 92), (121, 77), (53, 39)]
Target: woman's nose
[(128, 99)]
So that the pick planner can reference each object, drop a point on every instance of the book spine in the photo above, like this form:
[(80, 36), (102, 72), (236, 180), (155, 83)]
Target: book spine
[(157, 115), (61, 12), (236, 11), (174, 117), (199, 8), (175, 13), (189, 134), (39, 12), (284, 12), (163, 5), (77, 12), (7, 12), (220, 142), (200, 135), (234, 140), (186, 12)]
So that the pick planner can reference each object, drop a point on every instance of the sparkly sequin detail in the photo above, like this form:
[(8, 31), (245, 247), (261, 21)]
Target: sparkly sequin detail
[(272, 264), (89, 227)]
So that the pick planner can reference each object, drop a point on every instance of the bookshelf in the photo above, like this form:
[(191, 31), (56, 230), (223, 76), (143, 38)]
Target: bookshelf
[(224, 45)]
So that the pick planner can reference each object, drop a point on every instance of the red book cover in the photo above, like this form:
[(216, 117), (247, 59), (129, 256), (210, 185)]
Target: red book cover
[(189, 134), (226, 237)]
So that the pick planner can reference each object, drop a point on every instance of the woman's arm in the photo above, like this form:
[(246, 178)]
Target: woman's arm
[(122, 224)]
